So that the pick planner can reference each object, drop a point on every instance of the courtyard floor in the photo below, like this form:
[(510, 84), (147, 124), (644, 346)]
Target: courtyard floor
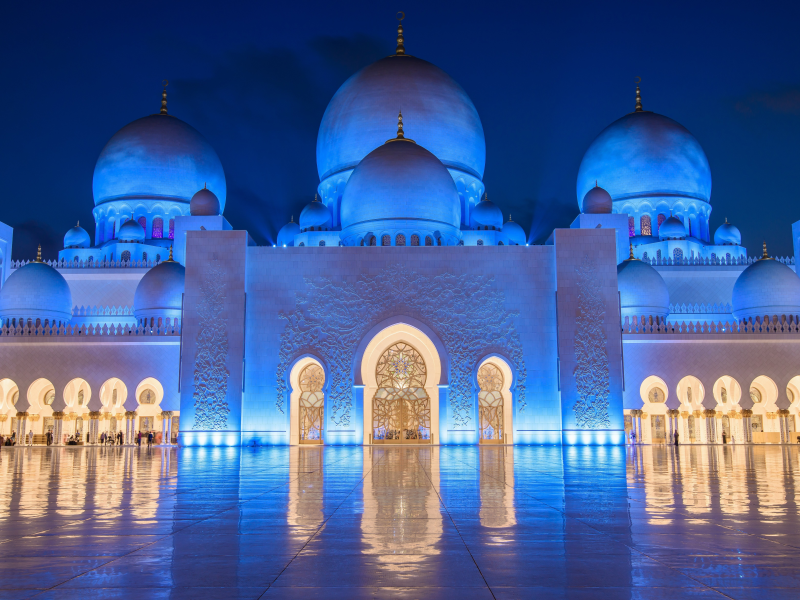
[(400, 522)]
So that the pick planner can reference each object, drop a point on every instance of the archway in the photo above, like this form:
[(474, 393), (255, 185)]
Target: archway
[(495, 410), (307, 402), (77, 394), (149, 394), (113, 394), (691, 393), (764, 393), (654, 393), (9, 394), (401, 369)]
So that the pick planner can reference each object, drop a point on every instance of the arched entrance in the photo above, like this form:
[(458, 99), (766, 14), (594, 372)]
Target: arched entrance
[(307, 402), (495, 412)]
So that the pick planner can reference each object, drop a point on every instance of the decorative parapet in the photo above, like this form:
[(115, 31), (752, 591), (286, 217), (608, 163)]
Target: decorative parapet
[(168, 328), (700, 308), (699, 261), (775, 325), (102, 311), (92, 264)]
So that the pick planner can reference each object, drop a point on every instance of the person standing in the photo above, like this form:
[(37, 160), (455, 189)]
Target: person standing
[(30, 437), (724, 438), (676, 437), (139, 438)]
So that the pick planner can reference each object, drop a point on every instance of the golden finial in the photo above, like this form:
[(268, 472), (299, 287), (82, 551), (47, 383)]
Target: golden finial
[(164, 97), (170, 255), (39, 254), (400, 135), (485, 197), (765, 255), (316, 198), (638, 96), (631, 257), (292, 219), (205, 185), (401, 49), (509, 217)]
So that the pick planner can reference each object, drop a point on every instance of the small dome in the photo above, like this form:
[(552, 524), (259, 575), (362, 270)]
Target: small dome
[(516, 234), (287, 233), (315, 214), (642, 291), (766, 288), (400, 187), (727, 235), (77, 237), (672, 229), (204, 204), (486, 214), (597, 201), (160, 291), (36, 291), (130, 231)]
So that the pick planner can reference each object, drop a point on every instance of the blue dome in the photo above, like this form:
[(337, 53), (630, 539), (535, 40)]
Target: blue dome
[(672, 229), (727, 235), (445, 120), (486, 214), (157, 158), (160, 291), (315, 214), (766, 288), (516, 235), (130, 231), (204, 204), (646, 155), (400, 187), (77, 237), (36, 291), (597, 201), (642, 291), (287, 233)]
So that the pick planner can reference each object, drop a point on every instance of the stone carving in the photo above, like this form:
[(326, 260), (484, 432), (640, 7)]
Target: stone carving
[(467, 313), (591, 372), (210, 372)]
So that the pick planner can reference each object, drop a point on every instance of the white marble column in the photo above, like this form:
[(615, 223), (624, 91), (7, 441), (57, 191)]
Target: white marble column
[(166, 423), (58, 420), (22, 425), (747, 426)]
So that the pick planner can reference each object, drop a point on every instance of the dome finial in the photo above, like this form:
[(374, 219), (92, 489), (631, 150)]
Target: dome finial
[(79, 224), (39, 253), (638, 96), (401, 49), (509, 218), (316, 198), (631, 257), (170, 255), (485, 196), (400, 135), (764, 255), (291, 220), (164, 97)]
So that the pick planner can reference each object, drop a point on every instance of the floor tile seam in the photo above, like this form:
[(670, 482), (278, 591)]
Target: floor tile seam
[(449, 516), (238, 504), (322, 525), (634, 549)]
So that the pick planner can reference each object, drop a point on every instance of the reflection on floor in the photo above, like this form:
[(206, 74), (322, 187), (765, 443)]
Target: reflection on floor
[(400, 522)]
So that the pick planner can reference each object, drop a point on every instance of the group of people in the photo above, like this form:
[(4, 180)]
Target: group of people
[(107, 437), (676, 436)]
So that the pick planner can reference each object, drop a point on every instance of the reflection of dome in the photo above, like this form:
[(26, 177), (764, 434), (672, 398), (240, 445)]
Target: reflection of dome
[(400, 187), (597, 201), (727, 235), (486, 214), (77, 237), (287, 233), (516, 235), (766, 288), (157, 158), (315, 214), (672, 229), (130, 231), (445, 120), (642, 291), (160, 291), (204, 204), (36, 291), (645, 154)]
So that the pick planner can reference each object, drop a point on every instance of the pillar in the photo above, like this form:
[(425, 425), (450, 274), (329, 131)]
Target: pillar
[(58, 420), (636, 424), (22, 426), (783, 421), (130, 427), (94, 426), (166, 427), (746, 426), (710, 417)]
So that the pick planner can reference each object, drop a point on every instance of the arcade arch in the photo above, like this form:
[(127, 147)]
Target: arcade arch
[(691, 392), (307, 402), (727, 392), (495, 411), (149, 394)]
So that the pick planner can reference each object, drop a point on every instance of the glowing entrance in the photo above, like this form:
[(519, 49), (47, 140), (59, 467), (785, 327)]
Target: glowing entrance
[(312, 404), (401, 408), (490, 399)]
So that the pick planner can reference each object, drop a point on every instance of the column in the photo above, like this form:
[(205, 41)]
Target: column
[(93, 427), (22, 426), (784, 425), (130, 427), (166, 427), (746, 426), (637, 425)]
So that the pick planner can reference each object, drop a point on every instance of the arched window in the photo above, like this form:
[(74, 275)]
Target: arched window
[(158, 258), (631, 227), (172, 229), (386, 240), (144, 256), (658, 256), (728, 258), (415, 240), (490, 400), (500, 244), (400, 240), (401, 408), (143, 223), (90, 260), (428, 240), (49, 397), (661, 219), (76, 260), (373, 241), (322, 242), (644, 257), (80, 397), (113, 397), (301, 244), (644, 225), (312, 404), (126, 256), (158, 228), (677, 255), (480, 242), (147, 397), (713, 258)]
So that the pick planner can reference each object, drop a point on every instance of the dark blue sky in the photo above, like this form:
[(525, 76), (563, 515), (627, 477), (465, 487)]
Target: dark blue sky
[(255, 80)]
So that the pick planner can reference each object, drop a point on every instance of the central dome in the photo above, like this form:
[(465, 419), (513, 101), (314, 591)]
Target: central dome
[(645, 155), (445, 120), (157, 158), (400, 188)]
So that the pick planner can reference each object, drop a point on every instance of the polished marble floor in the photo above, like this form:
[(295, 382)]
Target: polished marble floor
[(400, 522)]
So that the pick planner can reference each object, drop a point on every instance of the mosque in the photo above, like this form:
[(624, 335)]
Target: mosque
[(402, 307)]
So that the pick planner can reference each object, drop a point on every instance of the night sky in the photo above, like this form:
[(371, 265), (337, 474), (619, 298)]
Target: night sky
[(255, 79)]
